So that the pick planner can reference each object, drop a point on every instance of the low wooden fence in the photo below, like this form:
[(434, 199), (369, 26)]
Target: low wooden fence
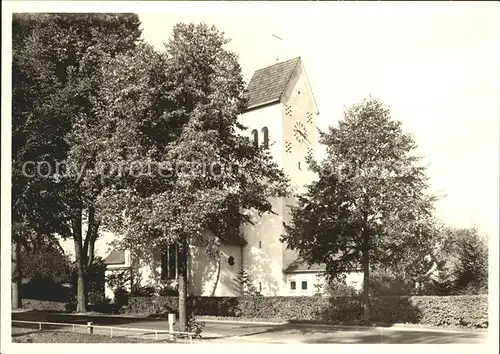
[(91, 328)]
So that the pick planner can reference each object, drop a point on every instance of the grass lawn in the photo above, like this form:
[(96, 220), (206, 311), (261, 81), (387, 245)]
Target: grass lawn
[(26, 335)]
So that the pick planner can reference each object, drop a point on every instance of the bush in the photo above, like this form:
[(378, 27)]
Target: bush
[(384, 283), (143, 291), (120, 296), (465, 311), (195, 327), (46, 262), (340, 290), (42, 305), (44, 288), (96, 298), (117, 282), (463, 263), (168, 290), (157, 305)]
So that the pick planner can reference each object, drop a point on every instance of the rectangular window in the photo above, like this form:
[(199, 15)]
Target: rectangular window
[(304, 285), (292, 285), (169, 262)]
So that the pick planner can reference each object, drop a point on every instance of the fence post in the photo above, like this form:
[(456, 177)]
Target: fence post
[(90, 329), (171, 321), (111, 335), (39, 326), (73, 328)]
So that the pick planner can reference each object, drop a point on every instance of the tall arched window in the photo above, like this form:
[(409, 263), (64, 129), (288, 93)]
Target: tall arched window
[(255, 135), (265, 133)]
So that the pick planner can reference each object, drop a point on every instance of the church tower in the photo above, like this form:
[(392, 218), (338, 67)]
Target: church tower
[(282, 115)]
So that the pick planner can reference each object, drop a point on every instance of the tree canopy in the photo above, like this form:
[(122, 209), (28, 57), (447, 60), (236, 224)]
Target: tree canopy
[(369, 205), (56, 60), (177, 162)]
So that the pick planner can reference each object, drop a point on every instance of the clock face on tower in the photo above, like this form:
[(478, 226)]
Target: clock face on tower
[(300, 133)]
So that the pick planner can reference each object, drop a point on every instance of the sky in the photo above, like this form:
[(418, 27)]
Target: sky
[(435, 65)]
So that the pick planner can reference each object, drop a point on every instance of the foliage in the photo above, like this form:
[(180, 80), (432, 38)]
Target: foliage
[(47, 305), (120, 296), (158, 305), (146, 290), (121, 280), (48, 261), (369, 206), (462, 263), (168, 290), (117, 281), (246, 283), (95, 281), (195, 327), (43, 288), (56, 80), (158, 107), (464, 311), (340, 289), (45, 266), (386, 283), (184, 166)]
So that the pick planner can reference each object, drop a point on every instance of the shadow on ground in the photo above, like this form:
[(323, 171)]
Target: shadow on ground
[(289, 332), (400, 337)]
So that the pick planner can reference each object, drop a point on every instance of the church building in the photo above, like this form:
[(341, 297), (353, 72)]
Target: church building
[(282, 115)]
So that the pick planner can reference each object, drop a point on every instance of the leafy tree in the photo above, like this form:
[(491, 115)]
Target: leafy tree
[(174, 109), (387, 283), (413, 264), (56, 72), (369, 206), (462, 262), (47, 261), (37, 137)]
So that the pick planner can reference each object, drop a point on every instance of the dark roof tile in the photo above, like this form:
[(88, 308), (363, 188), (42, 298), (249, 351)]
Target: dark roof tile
[(268, 84)]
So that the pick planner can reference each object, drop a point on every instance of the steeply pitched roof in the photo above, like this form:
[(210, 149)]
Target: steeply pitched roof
[(299, 266), (268, 84), (115, 257)]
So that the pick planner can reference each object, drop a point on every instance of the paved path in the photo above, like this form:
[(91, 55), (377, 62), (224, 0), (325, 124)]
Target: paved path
[(233, 332)]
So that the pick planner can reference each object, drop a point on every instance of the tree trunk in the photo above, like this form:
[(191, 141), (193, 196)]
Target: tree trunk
[(217, 277), (16, 275), (91, 237), (366, 277), (80, 257), (90, 254), (183, 279)]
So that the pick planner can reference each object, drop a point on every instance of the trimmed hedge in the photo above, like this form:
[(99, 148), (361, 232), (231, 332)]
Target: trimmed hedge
[(464, 311), (43, 305)]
